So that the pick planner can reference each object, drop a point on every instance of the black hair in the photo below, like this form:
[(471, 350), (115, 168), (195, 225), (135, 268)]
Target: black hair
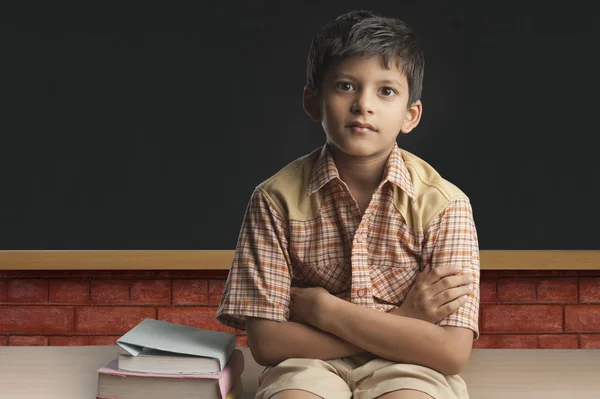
[(367, 34)]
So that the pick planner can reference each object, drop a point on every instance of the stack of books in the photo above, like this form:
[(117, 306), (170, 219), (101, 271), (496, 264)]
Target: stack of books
[(163, 360)]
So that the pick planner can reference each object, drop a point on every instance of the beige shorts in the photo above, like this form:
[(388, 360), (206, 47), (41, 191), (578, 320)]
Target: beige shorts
[(359, 377)]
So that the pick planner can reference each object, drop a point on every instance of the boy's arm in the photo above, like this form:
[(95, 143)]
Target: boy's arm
[(435, 294), (445, 347), (398, 338), (272, 342)]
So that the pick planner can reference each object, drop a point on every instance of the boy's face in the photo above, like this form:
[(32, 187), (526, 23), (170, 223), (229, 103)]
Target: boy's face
[(361, 91)]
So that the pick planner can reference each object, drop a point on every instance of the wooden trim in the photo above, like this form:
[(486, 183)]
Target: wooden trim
[(221, 260), (540, 260), (117, 260)]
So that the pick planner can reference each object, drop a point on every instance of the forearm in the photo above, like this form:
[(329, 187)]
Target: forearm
[(272, 342), (391, 336)]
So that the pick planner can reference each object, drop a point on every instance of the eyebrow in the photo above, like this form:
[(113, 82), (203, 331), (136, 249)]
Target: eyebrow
[(384, 81)]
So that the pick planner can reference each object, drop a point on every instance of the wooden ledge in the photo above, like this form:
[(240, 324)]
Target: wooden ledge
[(221, 260)]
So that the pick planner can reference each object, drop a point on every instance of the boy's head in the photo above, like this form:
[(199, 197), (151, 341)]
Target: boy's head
[(367, 34), (364, 83)]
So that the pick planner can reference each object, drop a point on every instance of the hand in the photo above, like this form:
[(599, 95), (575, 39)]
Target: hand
[(306, 304), (436, 294)]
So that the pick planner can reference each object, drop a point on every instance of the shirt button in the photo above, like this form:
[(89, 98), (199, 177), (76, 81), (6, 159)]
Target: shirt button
[(361, 292), (361, 237)]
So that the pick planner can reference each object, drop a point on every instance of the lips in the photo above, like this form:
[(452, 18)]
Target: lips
[(362, 125)]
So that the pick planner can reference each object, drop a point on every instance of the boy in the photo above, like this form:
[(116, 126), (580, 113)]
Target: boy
[(354, 223)]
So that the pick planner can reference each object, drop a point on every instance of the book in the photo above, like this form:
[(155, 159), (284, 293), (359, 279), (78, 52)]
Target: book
[(159, 362), (235, 393), (113, 383), (211, 349)]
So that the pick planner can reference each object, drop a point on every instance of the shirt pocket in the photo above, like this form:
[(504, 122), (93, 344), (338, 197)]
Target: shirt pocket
[(329, 272), (391, 280)]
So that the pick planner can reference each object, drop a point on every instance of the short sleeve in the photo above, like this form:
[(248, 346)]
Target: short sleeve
[(451, 239), (258, 284)]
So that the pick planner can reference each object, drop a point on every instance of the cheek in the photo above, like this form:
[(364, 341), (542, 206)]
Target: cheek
[(332, 111), (327, 114)]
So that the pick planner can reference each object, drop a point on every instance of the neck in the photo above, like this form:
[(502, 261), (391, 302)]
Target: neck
[(359, 173)]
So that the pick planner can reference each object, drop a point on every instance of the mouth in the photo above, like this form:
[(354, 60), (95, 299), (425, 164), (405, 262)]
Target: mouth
[(361, 127)]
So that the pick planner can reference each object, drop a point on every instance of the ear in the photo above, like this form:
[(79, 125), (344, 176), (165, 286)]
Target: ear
[(310, 102), (412, 117)]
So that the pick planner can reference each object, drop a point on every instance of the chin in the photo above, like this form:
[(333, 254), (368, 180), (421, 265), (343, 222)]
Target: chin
[(357, 149)]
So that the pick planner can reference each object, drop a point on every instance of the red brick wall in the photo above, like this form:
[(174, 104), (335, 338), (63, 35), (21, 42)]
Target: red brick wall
[(519, 309)]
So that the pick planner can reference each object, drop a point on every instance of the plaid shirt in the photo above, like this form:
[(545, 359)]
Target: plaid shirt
[(302, 227)]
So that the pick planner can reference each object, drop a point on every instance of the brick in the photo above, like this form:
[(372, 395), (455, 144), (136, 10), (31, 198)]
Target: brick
[(190, 292), (557, 290), (215, 290), (506, 341), (2, 291), (198, 274), (69, 291), (201, 317), (150, 292), (104, 339), (517, 341), (27, 291), (37, 340), (516, 289), (589, 290), (3, 340), (92, 274), (141, 274), (487, 289), (110, 319), (521, 318), (559, 341), (485, 341), (242, 340), (71, 340), (110, 291), (584, 318), (590, 341), (36, 319)]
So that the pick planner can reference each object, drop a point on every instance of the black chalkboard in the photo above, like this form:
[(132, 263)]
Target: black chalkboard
[(147, 125)]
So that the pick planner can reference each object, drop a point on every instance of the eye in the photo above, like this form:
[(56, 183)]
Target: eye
[(345, 86), (388, 92)]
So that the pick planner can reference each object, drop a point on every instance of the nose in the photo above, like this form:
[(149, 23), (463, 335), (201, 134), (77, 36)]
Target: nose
[(363, 103)]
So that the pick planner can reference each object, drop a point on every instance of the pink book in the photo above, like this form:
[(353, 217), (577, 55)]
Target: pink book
[(225, 380)]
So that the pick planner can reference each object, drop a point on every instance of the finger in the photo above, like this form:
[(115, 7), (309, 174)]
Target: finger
[(450, 307), (451, 294), (449, 282), (442, 271)]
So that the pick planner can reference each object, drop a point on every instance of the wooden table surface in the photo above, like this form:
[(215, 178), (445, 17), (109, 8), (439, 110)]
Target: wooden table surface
[(52, 372)]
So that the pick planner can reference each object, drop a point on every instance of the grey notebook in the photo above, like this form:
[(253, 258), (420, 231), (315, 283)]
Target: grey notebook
[(177, 338)]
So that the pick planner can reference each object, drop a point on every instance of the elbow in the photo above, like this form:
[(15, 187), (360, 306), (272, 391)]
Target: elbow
[(257, 331), (258, 350), (452, 367), (262, 354), (259, 356), (457, 350), (455, 362)]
